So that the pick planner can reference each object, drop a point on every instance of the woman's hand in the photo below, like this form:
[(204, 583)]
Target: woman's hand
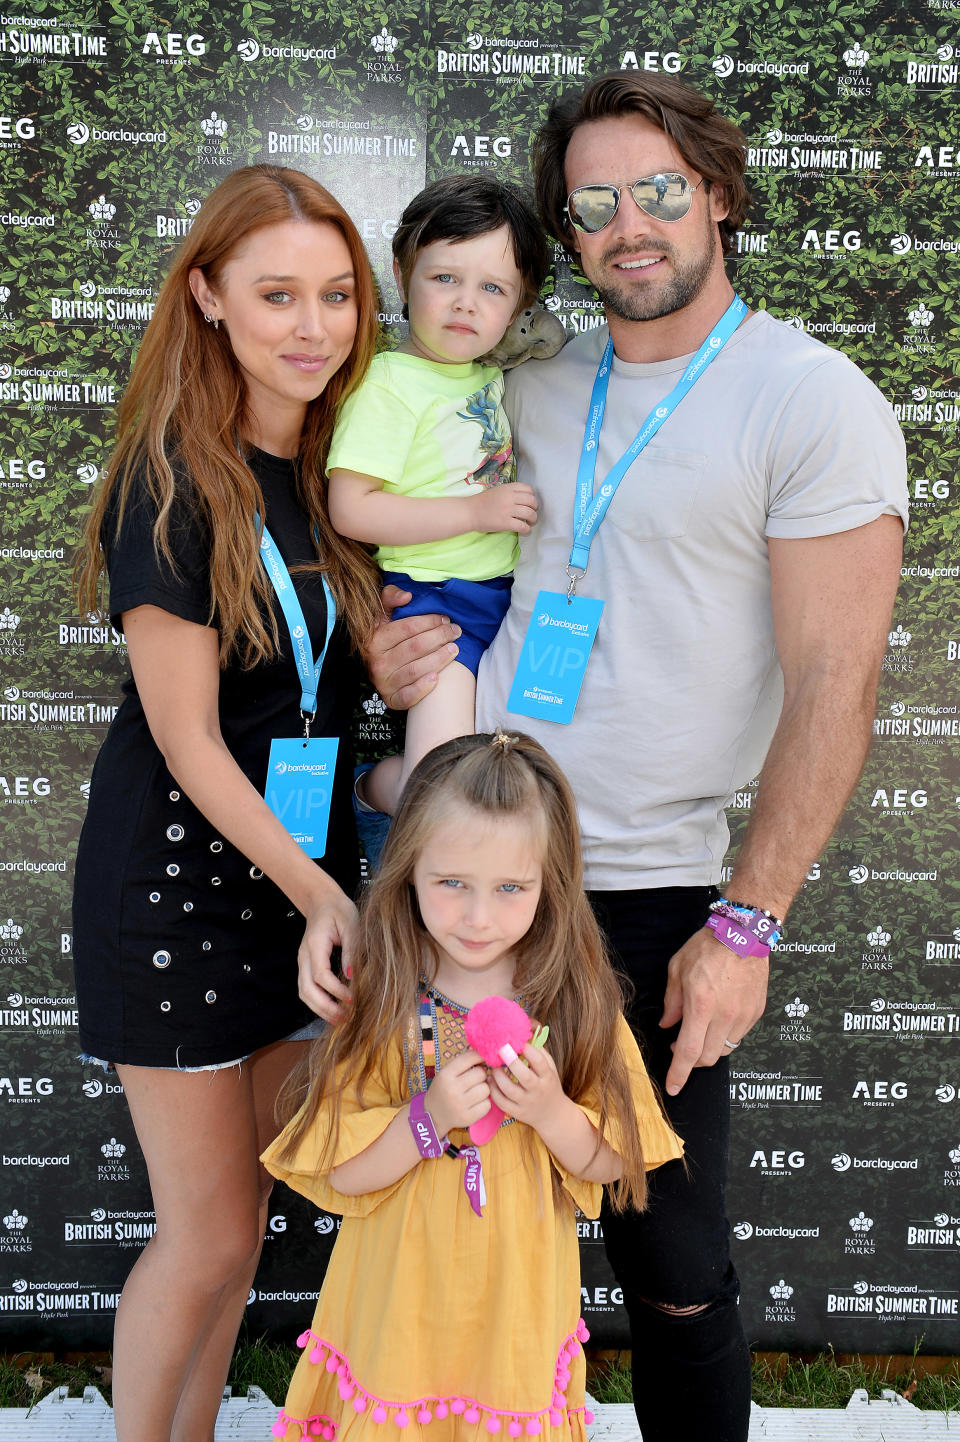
[(405, 657), (332, 922), (459, 1093)]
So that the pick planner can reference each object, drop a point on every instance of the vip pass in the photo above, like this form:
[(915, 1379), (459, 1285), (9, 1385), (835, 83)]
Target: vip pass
[(746, 930), (300, 771)]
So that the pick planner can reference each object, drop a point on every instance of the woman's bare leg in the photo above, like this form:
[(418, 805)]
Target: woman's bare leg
[(200, 1138), (208, 1374)]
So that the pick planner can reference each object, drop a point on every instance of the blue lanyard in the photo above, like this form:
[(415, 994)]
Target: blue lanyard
[(296, 624), (590, 509)]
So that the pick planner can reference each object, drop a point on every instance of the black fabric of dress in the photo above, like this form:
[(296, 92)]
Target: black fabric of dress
[(184, 953)]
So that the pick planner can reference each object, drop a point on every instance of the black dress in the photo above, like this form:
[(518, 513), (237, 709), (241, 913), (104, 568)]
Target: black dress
[(185, 954)]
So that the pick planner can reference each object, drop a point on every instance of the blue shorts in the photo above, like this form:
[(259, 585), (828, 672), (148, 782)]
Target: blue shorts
[(477, 607)]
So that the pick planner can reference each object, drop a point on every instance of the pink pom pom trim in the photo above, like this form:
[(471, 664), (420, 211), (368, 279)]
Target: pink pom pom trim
[(493, 1023), (323, 1353)]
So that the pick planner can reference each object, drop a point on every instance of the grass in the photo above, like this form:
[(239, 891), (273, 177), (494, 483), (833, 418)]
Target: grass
[(823, 1380), (779, 1379)]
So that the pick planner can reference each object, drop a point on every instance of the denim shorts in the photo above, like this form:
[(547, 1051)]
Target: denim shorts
[(309, 1032)]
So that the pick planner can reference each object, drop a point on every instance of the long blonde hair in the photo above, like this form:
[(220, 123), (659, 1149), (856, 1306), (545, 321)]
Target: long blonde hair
[(185, 405), (562, 968)]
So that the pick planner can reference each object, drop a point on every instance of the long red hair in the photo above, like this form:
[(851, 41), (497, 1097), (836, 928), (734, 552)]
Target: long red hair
[(185, 408)]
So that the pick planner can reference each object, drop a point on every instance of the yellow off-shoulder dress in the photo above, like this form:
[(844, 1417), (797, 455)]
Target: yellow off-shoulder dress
[(432, 1319)]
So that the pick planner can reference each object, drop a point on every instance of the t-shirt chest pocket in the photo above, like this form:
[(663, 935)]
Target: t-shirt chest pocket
[(656, 497)]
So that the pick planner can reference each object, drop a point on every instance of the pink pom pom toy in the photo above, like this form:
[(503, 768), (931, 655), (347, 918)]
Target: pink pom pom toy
[(494, 1024), (498, 1029)]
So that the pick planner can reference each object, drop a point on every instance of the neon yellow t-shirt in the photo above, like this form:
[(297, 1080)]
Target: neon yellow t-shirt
[(431, 430)]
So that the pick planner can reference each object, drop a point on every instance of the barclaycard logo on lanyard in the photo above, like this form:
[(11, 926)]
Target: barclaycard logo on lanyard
[(300, 771), (563, 627)]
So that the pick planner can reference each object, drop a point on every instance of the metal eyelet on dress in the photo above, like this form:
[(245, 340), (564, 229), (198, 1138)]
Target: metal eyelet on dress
[(162, 959), (154, 896), (246, 966), (215, 881), (173, 869), (164, 1006), (211, 997), (256, 874), (188, 906), (175, 833), (207, 946), (174, 795), (246, 915), (216, 846)]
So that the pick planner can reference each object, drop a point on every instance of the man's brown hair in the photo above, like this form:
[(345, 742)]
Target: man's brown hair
[(712, 145)]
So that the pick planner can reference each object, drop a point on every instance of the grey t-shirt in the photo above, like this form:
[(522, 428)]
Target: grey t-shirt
[(781, 437)]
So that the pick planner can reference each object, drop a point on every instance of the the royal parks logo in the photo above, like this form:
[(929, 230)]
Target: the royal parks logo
[(113, 1167), (853, 72), (877, 958), (14, 1238), (383, 61), (102, 233), (780, 1307), (794, 1027), (951, 1176), (860, 1243), (212, 149)]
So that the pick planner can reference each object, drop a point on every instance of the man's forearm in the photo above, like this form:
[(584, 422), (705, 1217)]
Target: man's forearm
[(812, 767)]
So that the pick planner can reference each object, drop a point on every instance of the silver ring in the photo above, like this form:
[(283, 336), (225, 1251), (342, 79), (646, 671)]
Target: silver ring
[(732, 1045)]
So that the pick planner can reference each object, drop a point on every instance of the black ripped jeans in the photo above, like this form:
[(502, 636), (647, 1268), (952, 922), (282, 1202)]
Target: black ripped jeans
[(691, 1370)]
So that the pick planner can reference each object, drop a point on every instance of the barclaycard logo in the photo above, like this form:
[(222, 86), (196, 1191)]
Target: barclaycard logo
[(543, 619), (280, 768)]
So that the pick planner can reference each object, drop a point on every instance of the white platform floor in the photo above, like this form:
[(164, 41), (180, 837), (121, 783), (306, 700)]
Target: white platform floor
[(59, 1418)]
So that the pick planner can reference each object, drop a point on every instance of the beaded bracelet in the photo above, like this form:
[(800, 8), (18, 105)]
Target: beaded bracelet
[(756, 920)]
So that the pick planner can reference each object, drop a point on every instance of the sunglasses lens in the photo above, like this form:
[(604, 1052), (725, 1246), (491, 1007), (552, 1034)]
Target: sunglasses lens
[(592, 207), (665, 196)]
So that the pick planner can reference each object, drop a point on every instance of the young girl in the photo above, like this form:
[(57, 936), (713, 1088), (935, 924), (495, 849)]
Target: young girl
[(422, 462), (439, 1307)]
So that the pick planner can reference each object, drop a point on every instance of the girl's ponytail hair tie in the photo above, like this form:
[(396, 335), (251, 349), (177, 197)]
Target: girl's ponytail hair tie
[(501, 739)]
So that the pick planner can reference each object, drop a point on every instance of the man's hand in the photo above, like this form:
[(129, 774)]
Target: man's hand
[(717, 995), (405, 657), (510, 507)]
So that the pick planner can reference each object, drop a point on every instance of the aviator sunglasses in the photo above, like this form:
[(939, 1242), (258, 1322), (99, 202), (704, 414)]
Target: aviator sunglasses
[(664, 196)]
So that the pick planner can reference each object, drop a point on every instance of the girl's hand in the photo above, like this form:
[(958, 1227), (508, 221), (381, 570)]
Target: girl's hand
[(510, 507), (331, 922), (459, 1093), (532, 1093)]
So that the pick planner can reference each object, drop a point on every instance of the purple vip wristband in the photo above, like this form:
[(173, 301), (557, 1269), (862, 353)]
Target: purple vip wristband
[(735, 938), (429, 1144)]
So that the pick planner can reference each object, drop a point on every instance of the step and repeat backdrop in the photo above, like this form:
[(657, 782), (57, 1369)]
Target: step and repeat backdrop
[(115, 120)]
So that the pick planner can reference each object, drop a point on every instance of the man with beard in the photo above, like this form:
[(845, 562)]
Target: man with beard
[(747, 567)]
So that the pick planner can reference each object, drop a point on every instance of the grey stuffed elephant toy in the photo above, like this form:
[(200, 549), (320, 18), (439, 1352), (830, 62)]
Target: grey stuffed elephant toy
[(533, 332)]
